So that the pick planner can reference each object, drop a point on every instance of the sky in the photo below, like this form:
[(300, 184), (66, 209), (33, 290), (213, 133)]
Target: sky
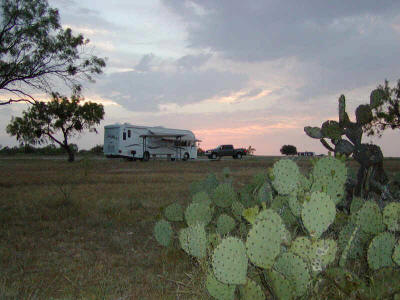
[(232, 71)]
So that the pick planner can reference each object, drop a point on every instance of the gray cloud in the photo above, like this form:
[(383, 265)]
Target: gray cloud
[(144, 91), (193, 61), (144, 63)]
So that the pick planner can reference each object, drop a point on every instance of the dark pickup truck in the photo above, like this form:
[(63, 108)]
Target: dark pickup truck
[(225, 150)]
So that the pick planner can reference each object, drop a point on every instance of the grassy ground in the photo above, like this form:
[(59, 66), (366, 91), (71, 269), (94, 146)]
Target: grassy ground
[(84, 230)]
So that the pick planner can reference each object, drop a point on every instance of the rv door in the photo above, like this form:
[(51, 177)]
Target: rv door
[(111, 140)]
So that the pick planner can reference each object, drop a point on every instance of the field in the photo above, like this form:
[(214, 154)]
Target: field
[(84, 230)]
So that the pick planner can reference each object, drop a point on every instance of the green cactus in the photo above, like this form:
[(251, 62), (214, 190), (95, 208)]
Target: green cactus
[(174, 212), (194, 240), (198, 212), (286, 176), (363, 114), (264, 239), (295, 269), (225, 224), (376, 98), (280, 285), (380, 251), (323, 253), (224, 195), (391, 216), (396, 253), (202, 197), (237, 210), (250, 214), (354, 240), (318, 213), (313, 132), (370, 219), (301, 246), (229, 261), (163, 232), (332, 129), (265, 193), (294, 204), (219, 290), (251, 291), (280, 205), (356, 204), (385, 283), (334, 188), (330, 167)]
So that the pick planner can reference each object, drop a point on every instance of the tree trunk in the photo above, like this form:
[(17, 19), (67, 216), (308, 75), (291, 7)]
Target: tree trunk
[(71, 154)]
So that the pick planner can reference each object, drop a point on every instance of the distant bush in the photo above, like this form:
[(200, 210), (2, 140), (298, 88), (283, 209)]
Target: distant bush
[(288, 150)]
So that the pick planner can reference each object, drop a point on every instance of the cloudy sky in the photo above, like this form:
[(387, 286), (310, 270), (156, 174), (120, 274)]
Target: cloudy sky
[(232, 71)]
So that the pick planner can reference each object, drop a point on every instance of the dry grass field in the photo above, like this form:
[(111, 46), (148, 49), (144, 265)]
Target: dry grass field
[(84, 230)]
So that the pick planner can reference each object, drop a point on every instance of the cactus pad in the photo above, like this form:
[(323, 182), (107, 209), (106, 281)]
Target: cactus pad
[(163, 232), (364, 114), (396, 254), (265, 193), (380, 251), (225, 224), (391, 216), (318, 213), (201, 197), (376, 98), (237, 209), (295, 269), (356, 249), (280, 285), (332, 129), (330, 167), (224, 195), (370, 219), (264, 240), (334, 188), (174, 212), (193, 240), (251, 291), (294, 204), (302, 247), (313, 132), (323, 253), (219, 290), (229, 261), (198, 212), (286, 176), (250, 214)]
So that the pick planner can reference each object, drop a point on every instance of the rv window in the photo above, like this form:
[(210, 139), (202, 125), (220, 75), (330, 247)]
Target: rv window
[(124, 136), (129, 133)]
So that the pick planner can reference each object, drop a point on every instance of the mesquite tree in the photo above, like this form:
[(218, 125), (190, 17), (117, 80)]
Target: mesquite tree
[(37, 54), (45, 121)]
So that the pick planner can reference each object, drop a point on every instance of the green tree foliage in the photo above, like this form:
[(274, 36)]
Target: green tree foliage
[(44, 120), (385, 105), (288, 150), (36, 53)]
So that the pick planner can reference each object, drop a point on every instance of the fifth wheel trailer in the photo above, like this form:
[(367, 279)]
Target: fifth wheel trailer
[(142, 142)]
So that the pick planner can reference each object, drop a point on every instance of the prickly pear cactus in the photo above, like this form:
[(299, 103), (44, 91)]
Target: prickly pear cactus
[(318, 213), (229, 261), (314, 132), (391, 216), (219, 290), (369, 217), (225, 224), (280, 285), (224, 195), (201, 197), (264, 240), (251, 291), (295, 269), (174, 212), (396, 253), (237, 210), (193, 240), (380, 251), (198, 212), (286, 176), (163, 232)]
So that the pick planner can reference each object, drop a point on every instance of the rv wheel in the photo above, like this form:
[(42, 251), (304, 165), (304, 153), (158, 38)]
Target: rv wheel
[(185, 156), (239, 156), (214, 156), (146, 156)]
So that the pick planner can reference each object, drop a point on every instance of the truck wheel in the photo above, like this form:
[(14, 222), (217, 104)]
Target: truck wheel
[(239, 156), (185, 156), (146, 156), (213, 156)]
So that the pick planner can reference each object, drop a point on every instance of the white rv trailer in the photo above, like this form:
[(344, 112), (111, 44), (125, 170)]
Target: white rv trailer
[(141, 142)]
